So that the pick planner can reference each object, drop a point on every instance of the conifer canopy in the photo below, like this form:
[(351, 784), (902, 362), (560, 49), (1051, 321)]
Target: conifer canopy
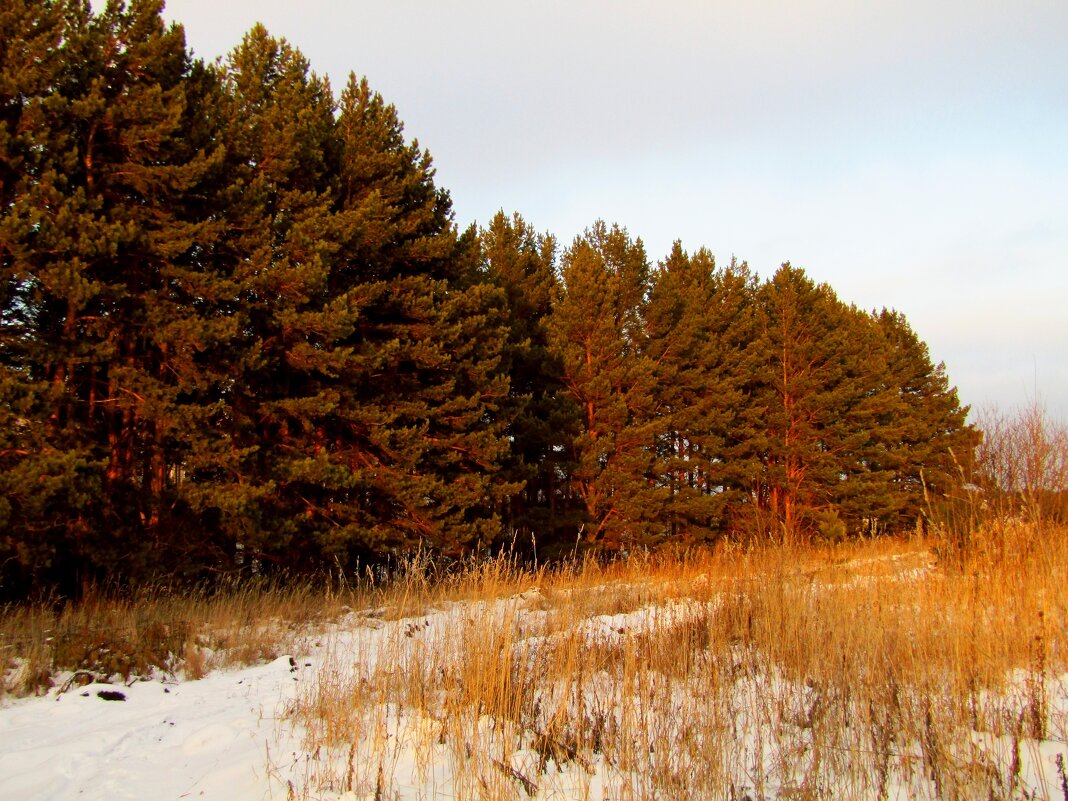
[(240, 330)]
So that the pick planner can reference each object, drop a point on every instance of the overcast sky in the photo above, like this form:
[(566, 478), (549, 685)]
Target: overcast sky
[(911, 153)]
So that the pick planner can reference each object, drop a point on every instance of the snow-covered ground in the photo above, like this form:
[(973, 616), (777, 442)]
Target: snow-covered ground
[(233, 736), (167, 740)]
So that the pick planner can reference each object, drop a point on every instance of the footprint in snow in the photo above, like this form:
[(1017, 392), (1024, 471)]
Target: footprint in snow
[(209, 739)]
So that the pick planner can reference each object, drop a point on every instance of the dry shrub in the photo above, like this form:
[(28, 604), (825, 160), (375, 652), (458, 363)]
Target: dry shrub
[(1022, 465)]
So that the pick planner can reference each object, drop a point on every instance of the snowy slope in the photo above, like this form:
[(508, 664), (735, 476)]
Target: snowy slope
[(227, 736), (198, 739)]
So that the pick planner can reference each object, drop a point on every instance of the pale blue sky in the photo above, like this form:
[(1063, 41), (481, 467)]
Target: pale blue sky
[(911, 154)]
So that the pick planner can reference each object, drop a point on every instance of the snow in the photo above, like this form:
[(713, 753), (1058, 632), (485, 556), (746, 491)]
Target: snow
[(226, 737), (231, 735), (169, 739)]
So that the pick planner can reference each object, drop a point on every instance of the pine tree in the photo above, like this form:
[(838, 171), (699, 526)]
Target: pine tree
[(933, 444), (95, 237), (818, 393), (858, 425), (423, 434), (866, 431), (278, 249), (597, 331), (362, 399), (39, 486), (541, 417), (700, 329)]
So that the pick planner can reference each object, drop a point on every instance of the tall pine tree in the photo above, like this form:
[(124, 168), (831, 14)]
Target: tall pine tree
[(855, 417), (816, 369), (700, 326), (419, 423), (597, 329), (542, 418), (369, 369), (94, 238), (932, 445)]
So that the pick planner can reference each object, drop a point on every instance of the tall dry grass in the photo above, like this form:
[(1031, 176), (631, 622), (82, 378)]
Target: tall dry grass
[(928, 668), (860, 671), (110, 636)]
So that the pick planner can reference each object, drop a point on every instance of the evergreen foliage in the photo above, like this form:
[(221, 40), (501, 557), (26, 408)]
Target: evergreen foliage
[(424, 396), (857, 425), (597, 328), (819, 378), (931, 443), (238, 326), (700, 324), (372, 349), (108, 159), (542, 417)]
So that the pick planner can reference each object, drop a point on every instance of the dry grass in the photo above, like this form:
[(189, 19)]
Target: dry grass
[(885, 669), (158, 630), (860, 671)]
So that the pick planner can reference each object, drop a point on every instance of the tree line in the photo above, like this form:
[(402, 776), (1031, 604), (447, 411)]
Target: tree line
[(238, 322)]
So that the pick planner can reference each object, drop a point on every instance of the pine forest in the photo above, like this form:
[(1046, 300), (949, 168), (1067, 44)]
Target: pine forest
[(241, 330)]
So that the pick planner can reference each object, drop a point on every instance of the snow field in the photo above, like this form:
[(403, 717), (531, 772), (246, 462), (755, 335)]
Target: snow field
[(876, 677)]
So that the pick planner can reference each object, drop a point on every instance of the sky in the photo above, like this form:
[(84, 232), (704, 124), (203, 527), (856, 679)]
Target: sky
[(912, 154)]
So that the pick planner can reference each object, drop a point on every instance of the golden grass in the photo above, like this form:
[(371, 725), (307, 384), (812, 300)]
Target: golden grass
[(859, 671), (930, 668), (110, 637)]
